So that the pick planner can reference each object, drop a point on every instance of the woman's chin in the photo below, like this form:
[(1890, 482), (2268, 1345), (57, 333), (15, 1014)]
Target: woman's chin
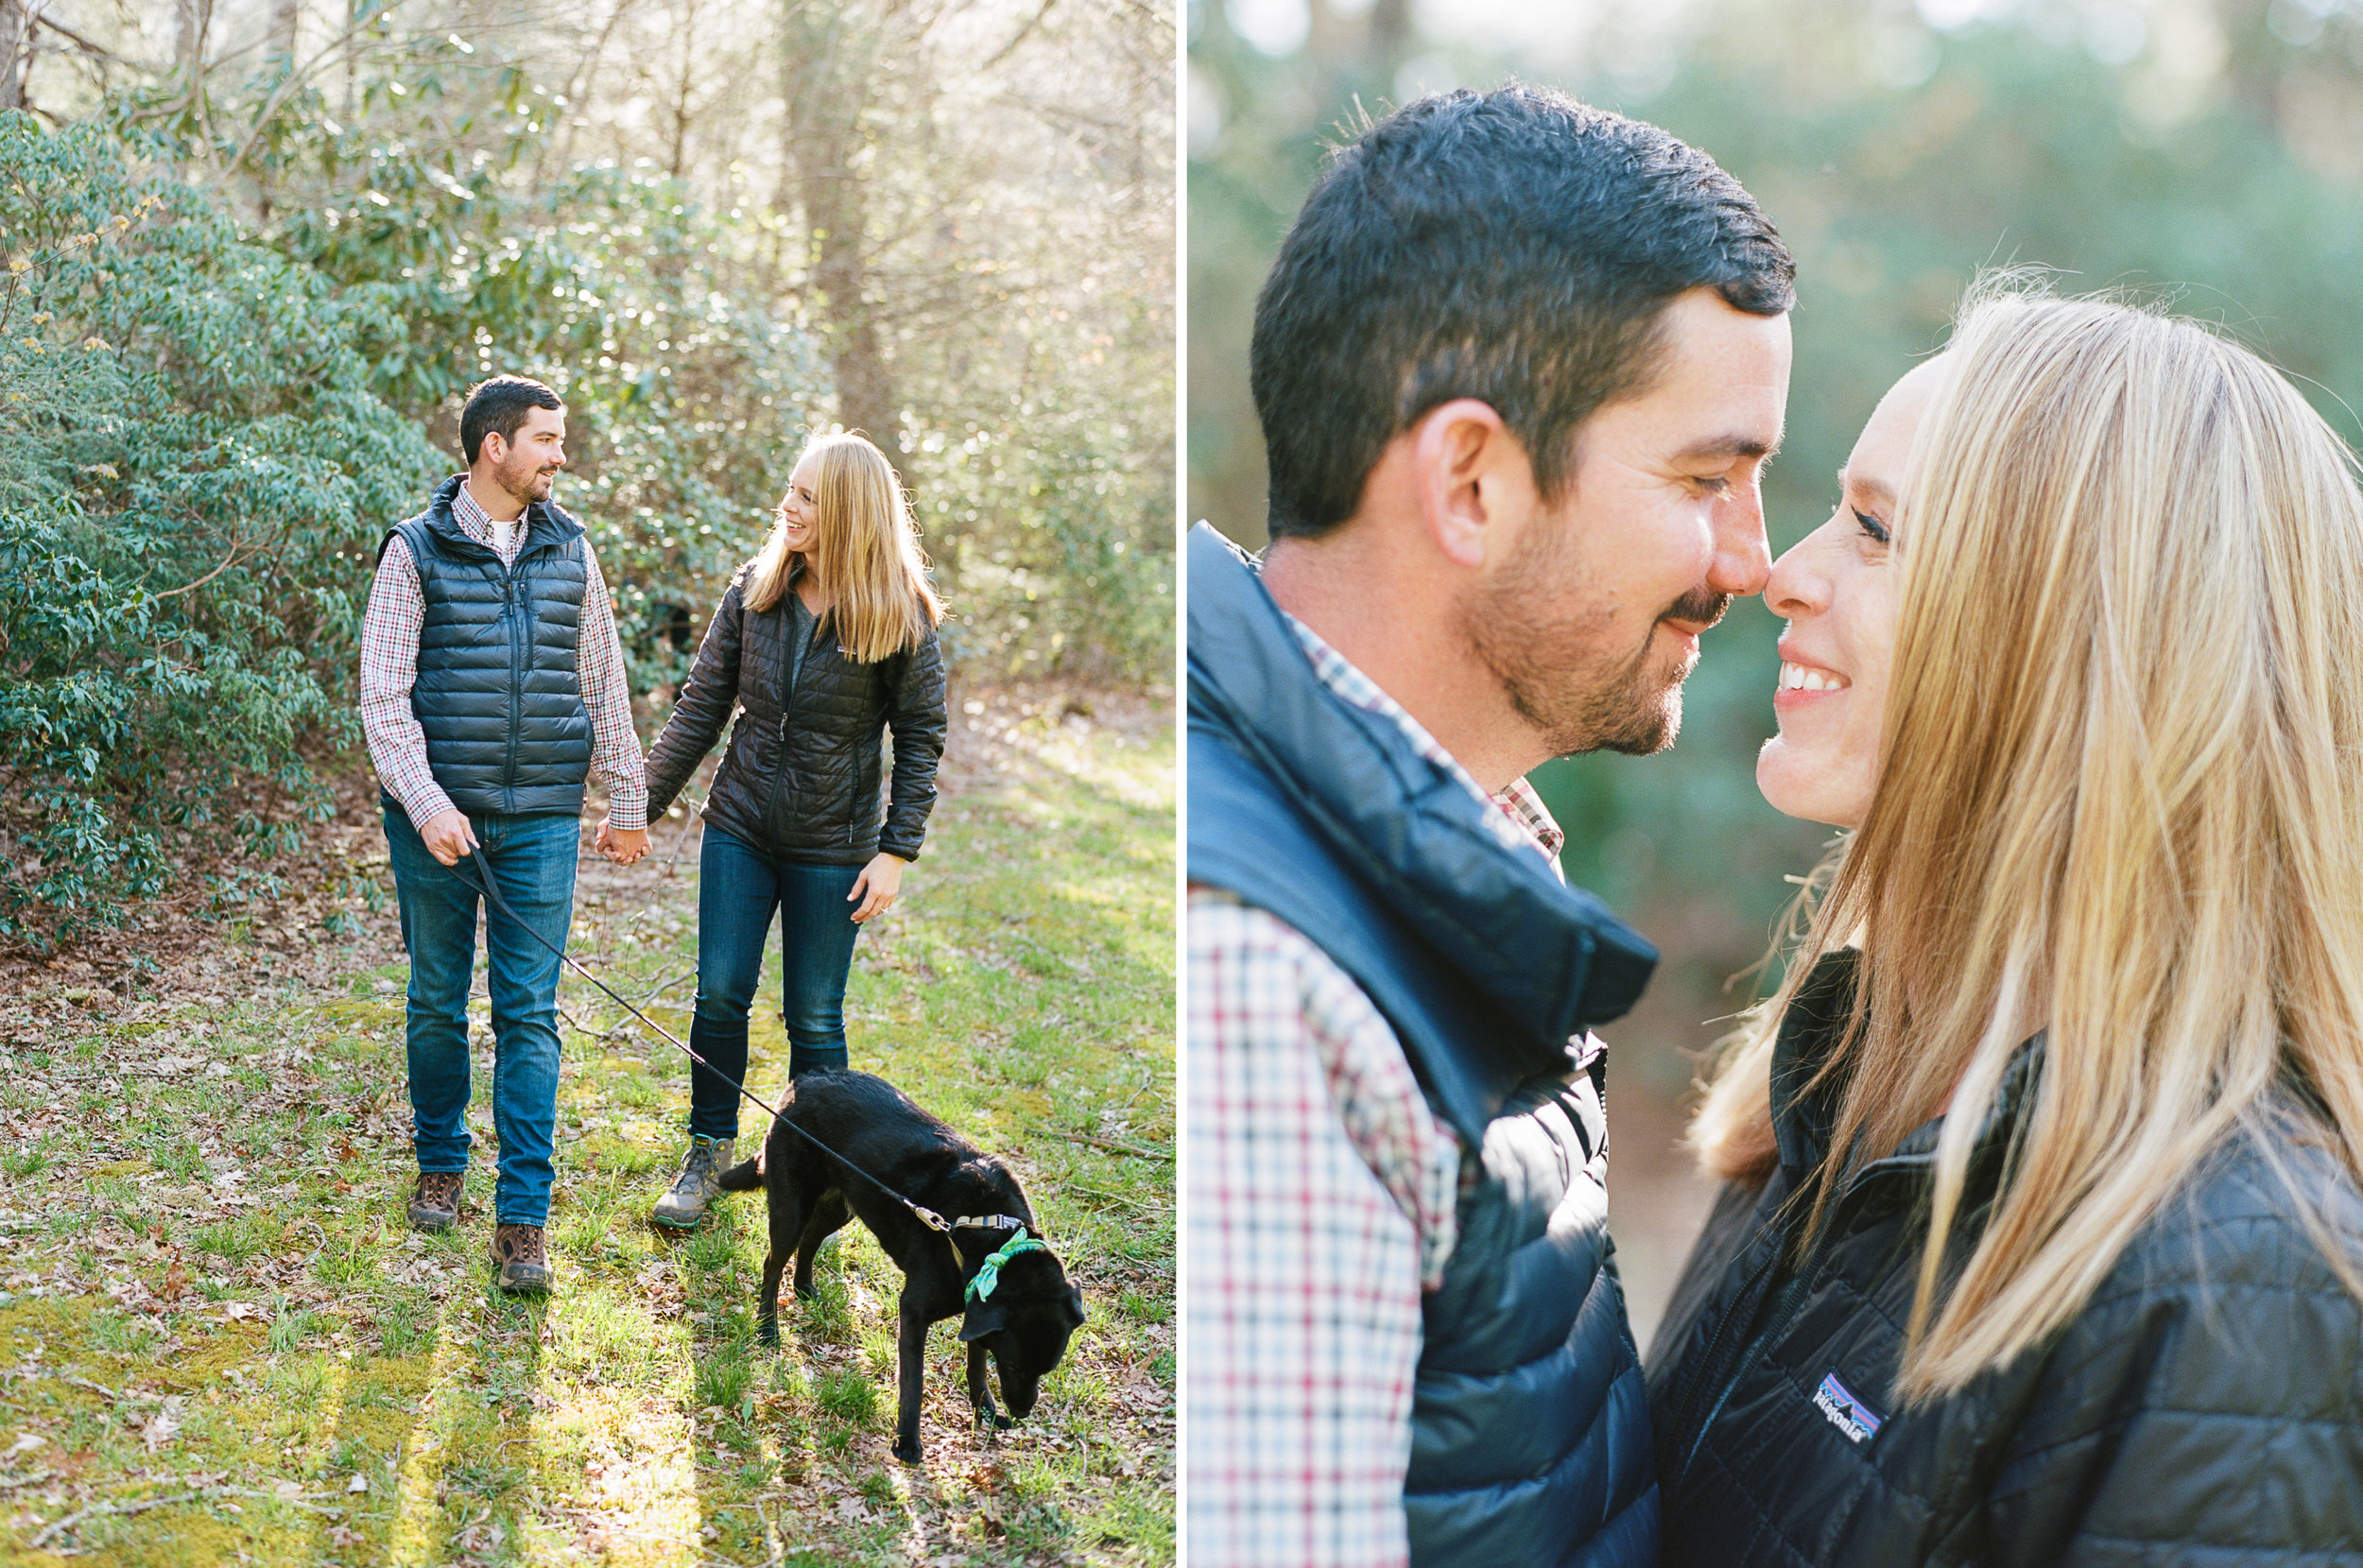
[(1795, 784)]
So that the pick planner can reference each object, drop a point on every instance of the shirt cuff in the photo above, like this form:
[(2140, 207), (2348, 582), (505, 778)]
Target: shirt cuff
[(423, 801), (627, 809)]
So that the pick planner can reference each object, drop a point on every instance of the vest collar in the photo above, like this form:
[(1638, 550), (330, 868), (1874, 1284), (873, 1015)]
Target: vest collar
[(1553, 961), (545, 525)]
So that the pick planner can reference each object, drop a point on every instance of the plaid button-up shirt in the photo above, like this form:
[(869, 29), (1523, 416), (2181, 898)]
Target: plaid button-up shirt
[(389, 666), (1322, 1203)]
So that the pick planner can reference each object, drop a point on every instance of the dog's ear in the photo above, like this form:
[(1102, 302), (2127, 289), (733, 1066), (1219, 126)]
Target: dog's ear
[(983, 1318), (1071, 1306)]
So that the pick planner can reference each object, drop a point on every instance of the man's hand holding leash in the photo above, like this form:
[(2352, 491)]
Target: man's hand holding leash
[(448, 836)]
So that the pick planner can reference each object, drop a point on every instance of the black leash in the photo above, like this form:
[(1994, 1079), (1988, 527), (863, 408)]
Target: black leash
[(926, 1216)]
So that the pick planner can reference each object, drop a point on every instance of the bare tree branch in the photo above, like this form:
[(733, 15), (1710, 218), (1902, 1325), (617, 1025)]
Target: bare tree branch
[(303, 74), (237, 553), (1022, 33), (96, 51)]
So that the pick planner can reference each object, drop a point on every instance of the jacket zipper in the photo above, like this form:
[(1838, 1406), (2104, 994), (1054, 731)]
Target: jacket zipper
[(788, 698), (1776, 1320), (516, 676), (1743, 1305)]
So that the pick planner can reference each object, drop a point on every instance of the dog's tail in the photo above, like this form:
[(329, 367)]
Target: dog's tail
[(741, 1178)]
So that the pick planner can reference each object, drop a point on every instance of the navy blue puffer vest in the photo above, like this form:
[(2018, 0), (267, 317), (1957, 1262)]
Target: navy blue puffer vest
[(498, 691), (1530, 1431)]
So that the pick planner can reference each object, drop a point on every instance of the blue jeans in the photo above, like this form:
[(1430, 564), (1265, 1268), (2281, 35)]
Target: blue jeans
[(531, 860), (738, 887)]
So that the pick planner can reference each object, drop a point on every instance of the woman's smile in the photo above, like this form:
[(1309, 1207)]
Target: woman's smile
[(1801, 683)]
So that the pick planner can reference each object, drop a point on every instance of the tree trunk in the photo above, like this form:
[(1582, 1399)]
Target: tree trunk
[(16, 50), (192, 20), (865, 386), (689, 54), (827, 90)]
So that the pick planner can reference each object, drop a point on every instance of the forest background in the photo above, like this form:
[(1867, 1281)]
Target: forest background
[(2209, 152), (255, 252), (252, 254)]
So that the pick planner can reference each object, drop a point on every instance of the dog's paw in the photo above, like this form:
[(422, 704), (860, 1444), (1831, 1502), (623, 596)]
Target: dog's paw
[(906, 1451), (768, 1338)]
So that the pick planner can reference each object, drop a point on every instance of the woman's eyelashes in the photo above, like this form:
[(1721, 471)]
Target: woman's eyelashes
[(1872, 526)]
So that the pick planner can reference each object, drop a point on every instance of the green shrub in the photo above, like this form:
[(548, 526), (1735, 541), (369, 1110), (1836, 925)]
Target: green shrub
[(191, 461)]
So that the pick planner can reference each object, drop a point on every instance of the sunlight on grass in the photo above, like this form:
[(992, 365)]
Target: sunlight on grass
[(232, 1269)]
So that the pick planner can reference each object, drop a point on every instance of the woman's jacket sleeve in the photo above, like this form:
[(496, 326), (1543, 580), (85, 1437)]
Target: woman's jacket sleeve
[(916, 718), (2209, 1410), (706, 699)]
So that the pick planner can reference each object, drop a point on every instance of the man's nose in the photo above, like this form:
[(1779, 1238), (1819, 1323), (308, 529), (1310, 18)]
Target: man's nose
[(1743, 557)]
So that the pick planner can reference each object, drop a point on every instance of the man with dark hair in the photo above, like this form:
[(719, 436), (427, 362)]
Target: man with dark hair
[(1519, 366), (492, 683)]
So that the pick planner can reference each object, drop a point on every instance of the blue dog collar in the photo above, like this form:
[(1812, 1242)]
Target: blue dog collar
[(989, 1273)]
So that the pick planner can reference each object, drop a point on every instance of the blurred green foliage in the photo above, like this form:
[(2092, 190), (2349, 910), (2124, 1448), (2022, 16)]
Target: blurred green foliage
[(2208, 154)]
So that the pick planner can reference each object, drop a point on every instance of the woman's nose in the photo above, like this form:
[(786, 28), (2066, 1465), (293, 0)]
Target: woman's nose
[(1796, 586)]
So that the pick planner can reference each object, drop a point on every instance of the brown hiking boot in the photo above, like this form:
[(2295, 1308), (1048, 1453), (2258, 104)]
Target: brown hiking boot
[(523, 1260), (435, 1201)]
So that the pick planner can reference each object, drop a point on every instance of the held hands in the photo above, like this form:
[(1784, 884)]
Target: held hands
[(877, 885), (447, 836), (621, 845)]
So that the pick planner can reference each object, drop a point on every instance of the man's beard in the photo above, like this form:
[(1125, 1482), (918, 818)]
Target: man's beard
[(1580, 695), (528, 483)]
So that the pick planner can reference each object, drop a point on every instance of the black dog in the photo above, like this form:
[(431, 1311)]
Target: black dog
[(1020, 1313)]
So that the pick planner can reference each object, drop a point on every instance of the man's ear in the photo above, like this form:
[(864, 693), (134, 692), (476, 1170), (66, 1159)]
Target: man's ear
[(982, 1317), (1458, 452)]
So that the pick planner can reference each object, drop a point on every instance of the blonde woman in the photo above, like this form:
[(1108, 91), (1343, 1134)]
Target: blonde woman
[(822, 644), (2043, 1240)]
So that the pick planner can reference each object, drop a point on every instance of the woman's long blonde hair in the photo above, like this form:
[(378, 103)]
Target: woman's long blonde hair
[(2120, 798), (865, 552)]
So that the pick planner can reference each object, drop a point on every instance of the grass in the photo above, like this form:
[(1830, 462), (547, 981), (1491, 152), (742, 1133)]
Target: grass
[(219, 1344)]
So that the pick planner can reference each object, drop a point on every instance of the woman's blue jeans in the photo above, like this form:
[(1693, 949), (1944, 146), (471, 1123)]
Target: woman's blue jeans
[(738, 890), (531, 860)]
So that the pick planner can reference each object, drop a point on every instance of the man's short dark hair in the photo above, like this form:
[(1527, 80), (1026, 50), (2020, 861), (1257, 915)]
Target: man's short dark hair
[(503, 402), (1515, 247)]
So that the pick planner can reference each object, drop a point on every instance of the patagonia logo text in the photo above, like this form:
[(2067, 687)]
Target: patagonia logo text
[(1847, 1413)]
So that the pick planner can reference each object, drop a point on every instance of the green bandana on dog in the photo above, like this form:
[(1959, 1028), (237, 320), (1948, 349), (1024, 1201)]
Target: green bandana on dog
[(989, 1274)]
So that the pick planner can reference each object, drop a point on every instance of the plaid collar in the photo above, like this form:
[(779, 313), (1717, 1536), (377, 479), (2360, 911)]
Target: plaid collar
[(1518, 802), (477, 524)]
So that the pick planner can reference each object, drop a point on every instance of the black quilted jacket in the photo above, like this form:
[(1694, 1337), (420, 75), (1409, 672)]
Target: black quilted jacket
[(800, 780), (2205, 1407)]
